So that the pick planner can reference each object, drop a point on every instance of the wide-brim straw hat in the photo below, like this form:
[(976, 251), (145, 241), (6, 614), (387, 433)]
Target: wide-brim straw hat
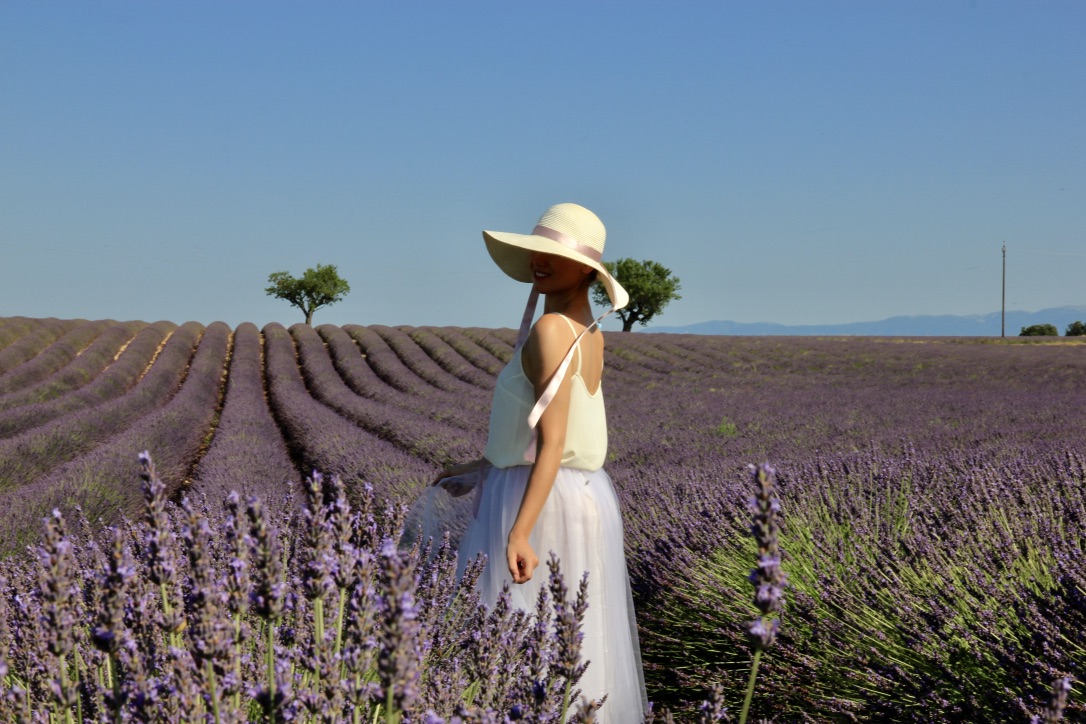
[(566, 230)]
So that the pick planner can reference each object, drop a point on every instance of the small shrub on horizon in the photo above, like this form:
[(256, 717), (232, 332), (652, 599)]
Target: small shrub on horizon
[(1039, 330)]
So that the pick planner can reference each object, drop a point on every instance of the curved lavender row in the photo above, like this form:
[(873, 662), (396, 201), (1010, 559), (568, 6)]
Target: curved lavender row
[(326, 441), (384, 362), (467, 347), (641, 349), (121, 374), (416, 359), (44, 333), (668, 350), (247, 453), (687, 348), (88, 363), (29, 455), (54, 357), (453, 359), (178, 430), (492, 341), (360, 377), (14, 328), (621, 355), (351, 364), (440, 444)]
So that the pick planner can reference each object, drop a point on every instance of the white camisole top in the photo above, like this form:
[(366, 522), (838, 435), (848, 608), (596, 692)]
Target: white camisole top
[(509, 436)]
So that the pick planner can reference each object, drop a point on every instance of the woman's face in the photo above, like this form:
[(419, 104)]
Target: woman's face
[(557, 273)]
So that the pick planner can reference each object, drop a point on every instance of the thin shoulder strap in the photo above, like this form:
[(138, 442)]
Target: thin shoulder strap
[(576, 341), (560, 374)]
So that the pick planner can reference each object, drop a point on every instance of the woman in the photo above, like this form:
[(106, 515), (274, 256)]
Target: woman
[(542, 485)]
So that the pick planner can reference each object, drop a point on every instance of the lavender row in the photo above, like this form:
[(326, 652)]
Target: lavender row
[(25, 457), (471, 366), (44, 333), (465, 402), (247, 453), (179, 429), (498, 342), (418, 435), (122, 371), (13, 328), (58, 354), (415, 359), (83, 363), (360, 377), (324, 440), (385, 362)]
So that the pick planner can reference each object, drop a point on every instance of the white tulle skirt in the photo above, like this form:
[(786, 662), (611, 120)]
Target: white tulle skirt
[(581, 523)]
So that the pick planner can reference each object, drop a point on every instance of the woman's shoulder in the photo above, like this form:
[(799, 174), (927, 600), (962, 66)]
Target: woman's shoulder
[(552, 333)]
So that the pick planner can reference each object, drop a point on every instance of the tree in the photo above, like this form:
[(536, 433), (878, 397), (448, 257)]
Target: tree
[(1040, 330), (317, 288), (1076, 329), (651, 286)]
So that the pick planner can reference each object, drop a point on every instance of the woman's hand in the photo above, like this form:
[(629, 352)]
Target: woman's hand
[(521, 558), (454, 470)]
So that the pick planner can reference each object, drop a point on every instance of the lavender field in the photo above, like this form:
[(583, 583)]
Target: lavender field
[(934, 515)]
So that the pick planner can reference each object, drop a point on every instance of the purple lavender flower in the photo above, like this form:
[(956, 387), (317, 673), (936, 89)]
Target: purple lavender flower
[(1058, 703), (768, 579), (59, 592), (398, 631)]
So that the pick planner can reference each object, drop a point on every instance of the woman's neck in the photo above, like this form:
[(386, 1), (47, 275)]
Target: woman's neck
[(572, 303)]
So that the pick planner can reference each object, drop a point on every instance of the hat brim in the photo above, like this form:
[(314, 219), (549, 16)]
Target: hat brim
[(512, 253)]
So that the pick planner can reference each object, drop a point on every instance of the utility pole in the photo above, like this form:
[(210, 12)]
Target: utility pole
[(1003, 316)]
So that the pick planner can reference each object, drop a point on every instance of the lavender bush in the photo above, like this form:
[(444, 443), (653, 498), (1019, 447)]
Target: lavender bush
[(150, 621)]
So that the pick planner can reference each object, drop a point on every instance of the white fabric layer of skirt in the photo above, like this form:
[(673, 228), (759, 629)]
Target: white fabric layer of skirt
[(582, 524)]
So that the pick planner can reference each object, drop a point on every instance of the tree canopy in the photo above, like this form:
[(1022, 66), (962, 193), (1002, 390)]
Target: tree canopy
[(651, 286), (1039, 330), (318, 287), (1076, 329)]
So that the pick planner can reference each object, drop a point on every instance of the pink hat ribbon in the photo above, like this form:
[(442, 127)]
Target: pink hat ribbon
[(568, 241)]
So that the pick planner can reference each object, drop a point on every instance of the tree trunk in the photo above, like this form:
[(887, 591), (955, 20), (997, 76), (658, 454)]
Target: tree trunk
[(628, 323), (309, 317)]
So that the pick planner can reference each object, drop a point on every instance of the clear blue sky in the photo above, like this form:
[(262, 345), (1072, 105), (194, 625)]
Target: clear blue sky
[(796, 162)]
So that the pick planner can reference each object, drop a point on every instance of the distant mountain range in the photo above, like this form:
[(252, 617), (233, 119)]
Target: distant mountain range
[(974, 325)]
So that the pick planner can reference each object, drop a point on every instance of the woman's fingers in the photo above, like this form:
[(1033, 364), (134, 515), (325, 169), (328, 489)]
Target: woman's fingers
[(522, 562)]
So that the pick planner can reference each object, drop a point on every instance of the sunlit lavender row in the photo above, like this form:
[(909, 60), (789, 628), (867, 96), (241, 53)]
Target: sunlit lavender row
[(931, 489)]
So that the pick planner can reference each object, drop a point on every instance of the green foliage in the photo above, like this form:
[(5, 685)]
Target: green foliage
[(1076, 329), (1039, 330), (727, 428), (651, 286), (316, 288)]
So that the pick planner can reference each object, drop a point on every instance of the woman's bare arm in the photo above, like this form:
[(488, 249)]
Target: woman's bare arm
[(547, 345)]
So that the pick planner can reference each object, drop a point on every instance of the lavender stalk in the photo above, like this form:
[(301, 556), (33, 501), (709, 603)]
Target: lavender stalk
[(767, 578)]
